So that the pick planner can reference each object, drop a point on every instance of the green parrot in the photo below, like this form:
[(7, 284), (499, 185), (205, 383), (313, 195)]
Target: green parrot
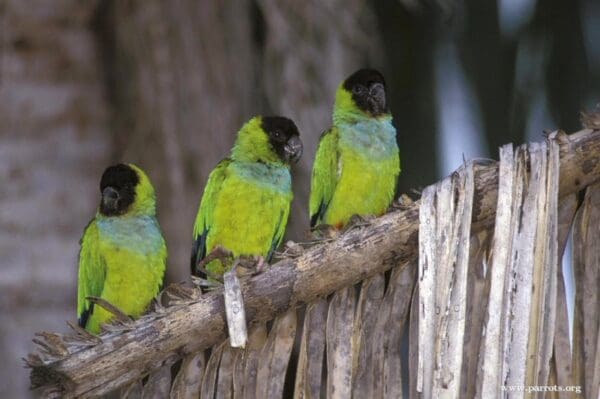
[(357, 162), (123, 254), (246, 202)]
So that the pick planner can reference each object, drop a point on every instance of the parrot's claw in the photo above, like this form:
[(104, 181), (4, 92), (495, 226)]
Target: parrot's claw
[(291, 250), (205, 284), (250, 265), (358, 221), (325, 231), (224, 255), (181, 291), (261, 265), (403, 202)]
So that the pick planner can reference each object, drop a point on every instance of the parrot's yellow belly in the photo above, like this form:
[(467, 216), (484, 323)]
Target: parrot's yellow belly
[(246, 219), (366, 187), (132, 281)]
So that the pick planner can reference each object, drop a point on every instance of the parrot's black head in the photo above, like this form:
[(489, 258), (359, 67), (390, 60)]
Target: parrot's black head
[(367, 87), (118, 189), (284, 137)]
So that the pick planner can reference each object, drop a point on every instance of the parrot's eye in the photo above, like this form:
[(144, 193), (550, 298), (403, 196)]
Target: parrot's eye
[(278, 135), (359, 90)]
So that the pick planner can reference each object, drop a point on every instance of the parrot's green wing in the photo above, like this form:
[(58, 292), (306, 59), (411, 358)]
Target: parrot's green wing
[(92, 272), (279, 231), (207, 204), (324, 175)]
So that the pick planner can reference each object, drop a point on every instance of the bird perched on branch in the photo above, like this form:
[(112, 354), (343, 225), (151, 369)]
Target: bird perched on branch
[(357, 162), (123, 254), (246, 203)]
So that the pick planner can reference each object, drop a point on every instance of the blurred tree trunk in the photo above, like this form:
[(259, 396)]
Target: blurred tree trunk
[(53, 146), (409, 40), (561, 21), (510, 71), (489, 61)]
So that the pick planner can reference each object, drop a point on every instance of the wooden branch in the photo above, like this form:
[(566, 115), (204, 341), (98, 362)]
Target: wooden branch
[(389, 241)]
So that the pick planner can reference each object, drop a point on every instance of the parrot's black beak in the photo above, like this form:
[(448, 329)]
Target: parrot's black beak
[(376, 99), (293, 149), (110, 200)]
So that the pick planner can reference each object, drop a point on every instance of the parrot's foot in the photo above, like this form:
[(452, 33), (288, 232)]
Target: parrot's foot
[(403, 202), (205, 285), (291, 249), (325, 232), (358, 221), (261, 265), (211, 283), (220, 253), (252, 265), (179, 293)]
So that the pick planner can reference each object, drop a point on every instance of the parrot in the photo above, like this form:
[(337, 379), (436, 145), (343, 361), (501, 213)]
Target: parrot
[(246, 202), (357, 162), (123, 254)]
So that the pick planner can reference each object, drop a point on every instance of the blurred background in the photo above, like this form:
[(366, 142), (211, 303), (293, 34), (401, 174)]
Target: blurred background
[(166, 85)]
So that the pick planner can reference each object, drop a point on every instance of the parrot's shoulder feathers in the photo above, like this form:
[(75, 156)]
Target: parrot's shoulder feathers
[(209, 199), (88, 227), (325, 175), (92, 272)]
